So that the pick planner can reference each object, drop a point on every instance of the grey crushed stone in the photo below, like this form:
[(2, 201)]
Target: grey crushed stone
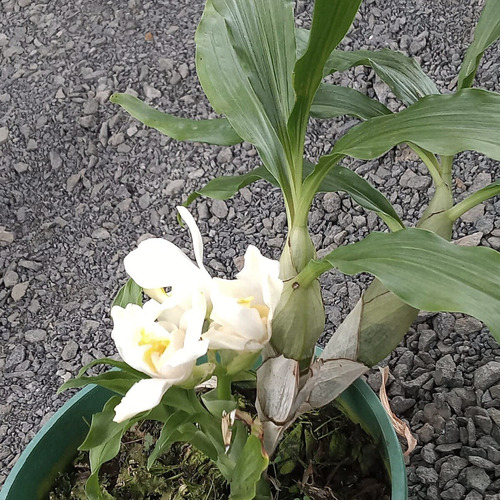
[(83, 183)]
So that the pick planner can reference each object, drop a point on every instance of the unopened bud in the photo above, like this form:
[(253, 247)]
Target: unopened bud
[(299, 319)]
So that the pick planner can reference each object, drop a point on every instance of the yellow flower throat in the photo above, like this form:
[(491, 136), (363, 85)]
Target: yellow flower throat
[(261, 308), (158, 347)]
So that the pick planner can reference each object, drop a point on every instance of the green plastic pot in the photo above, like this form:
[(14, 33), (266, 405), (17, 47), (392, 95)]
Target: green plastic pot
[(54, 447)]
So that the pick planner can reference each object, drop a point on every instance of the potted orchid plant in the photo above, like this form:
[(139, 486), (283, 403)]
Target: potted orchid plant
[(266, 77)]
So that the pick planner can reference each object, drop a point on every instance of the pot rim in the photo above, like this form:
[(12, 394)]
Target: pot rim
[(358, 401)]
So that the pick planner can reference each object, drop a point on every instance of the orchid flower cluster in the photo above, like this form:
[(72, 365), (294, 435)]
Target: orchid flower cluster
[(265, 77), (167, 335), (194, 330)]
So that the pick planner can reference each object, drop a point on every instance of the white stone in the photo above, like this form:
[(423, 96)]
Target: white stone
[(4, 135), (19, 291)]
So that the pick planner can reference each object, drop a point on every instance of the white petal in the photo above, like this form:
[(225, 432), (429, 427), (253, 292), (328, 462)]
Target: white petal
[(195, 236), (263, 273), (151, 309), (220, 338), (142, 396), (272, 289), (256, 265), (187, 356), (158, 263), (193, 319), (127, 326), (234, 317)]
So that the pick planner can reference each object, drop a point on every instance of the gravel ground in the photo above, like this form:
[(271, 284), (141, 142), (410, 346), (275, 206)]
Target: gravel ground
[(81, 183)]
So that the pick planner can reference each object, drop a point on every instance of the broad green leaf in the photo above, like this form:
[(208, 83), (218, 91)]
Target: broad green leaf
[(111, 362), (264, 491), (331, 21), (402, 74), (188, 432), (252, 462), (117, 381), (198, 439), (422, 268), (474, 199), (363, 193), (443, 124), (238, 440), (179, 398), (102, 426), (332, 101), (486, 33), (109, 435), (130, 293), (215, 405), (385, 321), (217, 131), (168, 435), (224, 187), (92, 487), (105, 452), (245, 53)]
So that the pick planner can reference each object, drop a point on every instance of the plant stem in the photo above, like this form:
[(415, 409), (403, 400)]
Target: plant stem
[(470, 202), (313, 270), (446, 165), (431, 163), (313, 182)]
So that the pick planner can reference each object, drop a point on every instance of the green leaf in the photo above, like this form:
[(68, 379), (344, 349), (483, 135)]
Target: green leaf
[(332, 101), (199, 440), (443, 124), (331, 21), (252, 462), (217, 131), (92, 487), (402, 74), (179, 398), (384, 323), (111, 362), (224, 187), (215, 405), (245, 52), (363, 193), (238, 440), (169, 434), (130, 293), (426, 271), (108, 434), (117, 381), (486, 33), (103, 427)]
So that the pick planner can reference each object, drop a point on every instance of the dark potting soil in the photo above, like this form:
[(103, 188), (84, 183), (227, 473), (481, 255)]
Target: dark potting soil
[(323, 457)]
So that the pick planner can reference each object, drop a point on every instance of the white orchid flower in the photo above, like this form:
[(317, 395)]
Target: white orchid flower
[(243, 308), (158, 264), (151, 340)]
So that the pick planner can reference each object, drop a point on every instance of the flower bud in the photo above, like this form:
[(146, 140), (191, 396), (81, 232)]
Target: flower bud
[(299, 319)]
